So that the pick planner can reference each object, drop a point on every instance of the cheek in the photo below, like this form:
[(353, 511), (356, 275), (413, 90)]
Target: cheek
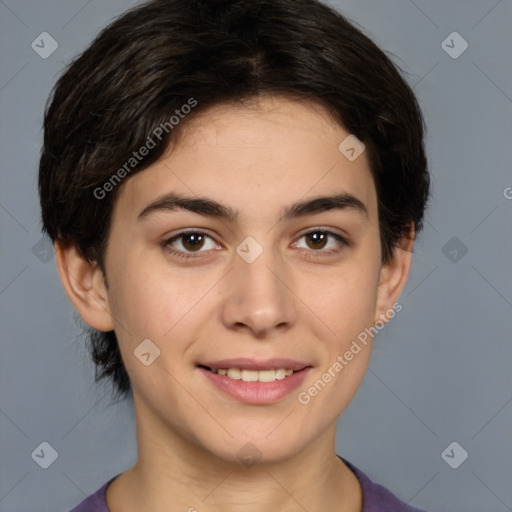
[(345, 300), (151, 299), (347, 309), (147, 306)]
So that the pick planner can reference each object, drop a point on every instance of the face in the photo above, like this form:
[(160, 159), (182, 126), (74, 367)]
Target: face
[(249, 250)]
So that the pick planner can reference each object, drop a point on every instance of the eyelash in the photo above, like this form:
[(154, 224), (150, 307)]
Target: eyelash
[(167, 244)]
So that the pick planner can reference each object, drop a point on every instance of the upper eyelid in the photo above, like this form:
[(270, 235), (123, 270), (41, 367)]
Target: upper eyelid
[(338, 237), (342, 236), (188, 231), (323, 229)]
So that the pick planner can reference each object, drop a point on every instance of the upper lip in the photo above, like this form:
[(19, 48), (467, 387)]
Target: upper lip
[(245, 363)]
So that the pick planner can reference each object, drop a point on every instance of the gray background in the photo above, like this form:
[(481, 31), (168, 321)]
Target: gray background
[(440, 372)]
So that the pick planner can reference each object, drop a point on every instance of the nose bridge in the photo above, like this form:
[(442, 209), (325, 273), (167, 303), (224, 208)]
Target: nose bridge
[(259, 278), (257, 296)]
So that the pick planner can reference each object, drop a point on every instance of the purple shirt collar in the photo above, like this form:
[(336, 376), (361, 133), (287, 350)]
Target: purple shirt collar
[(375, 497)]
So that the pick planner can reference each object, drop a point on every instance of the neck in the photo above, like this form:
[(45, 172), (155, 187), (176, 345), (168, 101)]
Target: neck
[(173, 473)]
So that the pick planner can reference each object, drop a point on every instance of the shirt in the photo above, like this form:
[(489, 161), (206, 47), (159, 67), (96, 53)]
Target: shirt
[(376, 498)]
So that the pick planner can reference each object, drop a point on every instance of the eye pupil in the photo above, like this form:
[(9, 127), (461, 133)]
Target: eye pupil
[(193, 241), (316, 240)]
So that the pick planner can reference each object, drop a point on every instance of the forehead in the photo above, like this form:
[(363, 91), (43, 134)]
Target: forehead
[(277, 112), (255, 157)]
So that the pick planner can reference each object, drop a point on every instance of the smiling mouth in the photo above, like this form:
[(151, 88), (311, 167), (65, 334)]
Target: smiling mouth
[(270, 375)]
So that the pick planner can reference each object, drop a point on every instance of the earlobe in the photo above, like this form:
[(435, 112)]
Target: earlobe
[(85, 286), (393, 277)]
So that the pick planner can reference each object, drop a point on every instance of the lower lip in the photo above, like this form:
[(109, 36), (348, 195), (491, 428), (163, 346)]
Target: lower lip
[(256, 392)]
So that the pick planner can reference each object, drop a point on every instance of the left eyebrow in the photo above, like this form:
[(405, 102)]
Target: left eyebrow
[(323, 204), (211, 208)]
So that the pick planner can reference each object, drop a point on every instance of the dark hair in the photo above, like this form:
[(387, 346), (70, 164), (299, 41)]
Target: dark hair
[(145, 67)]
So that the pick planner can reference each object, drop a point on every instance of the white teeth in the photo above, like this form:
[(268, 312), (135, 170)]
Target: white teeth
[(250, 375), (234, 373), (280, 374), (254, 375), (266, 375)]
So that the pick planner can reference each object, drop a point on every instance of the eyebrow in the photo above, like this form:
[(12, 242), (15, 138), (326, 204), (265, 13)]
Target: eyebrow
[(210, 208)]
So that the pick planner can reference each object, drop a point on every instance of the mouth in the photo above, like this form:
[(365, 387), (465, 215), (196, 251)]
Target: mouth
[(255, 382), (252, 375)]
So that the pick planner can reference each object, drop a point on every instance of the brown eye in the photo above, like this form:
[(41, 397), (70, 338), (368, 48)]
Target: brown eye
[(192, 241), (317, 239), (322, 242)]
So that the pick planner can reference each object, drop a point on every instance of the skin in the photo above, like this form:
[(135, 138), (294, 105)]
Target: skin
[(295, 300)]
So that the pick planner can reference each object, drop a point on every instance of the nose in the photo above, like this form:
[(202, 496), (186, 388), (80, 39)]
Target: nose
[(258, 296)]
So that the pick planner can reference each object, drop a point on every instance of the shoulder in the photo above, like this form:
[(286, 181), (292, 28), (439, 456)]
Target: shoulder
[(96, 502), (377, 498)]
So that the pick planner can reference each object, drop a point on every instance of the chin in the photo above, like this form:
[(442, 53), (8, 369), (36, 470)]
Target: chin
[(248, 450)]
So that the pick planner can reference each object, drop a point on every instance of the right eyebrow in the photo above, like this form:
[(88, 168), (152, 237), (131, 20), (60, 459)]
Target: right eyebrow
[(202, 206)]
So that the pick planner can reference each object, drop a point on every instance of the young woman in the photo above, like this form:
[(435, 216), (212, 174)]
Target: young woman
[(233, 189)]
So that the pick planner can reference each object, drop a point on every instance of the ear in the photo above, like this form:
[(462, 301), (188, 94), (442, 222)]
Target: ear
[(393, 276), (85, 286)]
